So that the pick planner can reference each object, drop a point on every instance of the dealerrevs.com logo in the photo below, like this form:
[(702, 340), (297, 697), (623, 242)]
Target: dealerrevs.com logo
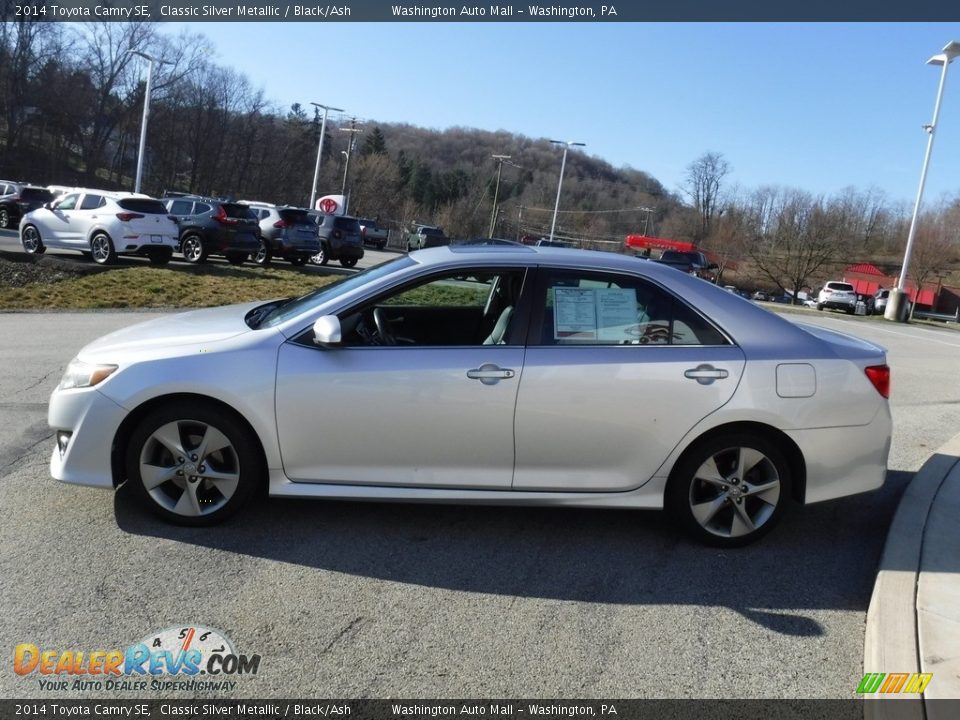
[(190, 658)]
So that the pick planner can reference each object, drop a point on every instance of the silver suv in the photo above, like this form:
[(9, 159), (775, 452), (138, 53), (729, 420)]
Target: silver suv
[(837, 295), (286, 232)]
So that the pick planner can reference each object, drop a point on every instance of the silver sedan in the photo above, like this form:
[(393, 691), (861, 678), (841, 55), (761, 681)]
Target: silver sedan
[(472, 374)]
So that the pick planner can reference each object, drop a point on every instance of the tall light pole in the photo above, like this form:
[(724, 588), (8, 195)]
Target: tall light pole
[(496, 191), (353, 130), (563, 164), (146, 112), (895, 307), (316, 170)]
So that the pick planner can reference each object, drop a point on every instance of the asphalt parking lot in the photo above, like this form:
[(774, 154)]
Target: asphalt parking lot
[(374, 600)]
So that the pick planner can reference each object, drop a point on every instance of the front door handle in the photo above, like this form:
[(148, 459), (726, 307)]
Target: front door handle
[(490, 374), (705, 374)]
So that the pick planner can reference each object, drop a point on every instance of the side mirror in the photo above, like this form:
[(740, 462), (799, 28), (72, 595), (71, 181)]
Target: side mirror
[(326, 331), (48, 205)]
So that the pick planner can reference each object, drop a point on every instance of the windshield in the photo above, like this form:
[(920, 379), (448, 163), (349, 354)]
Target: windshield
[(294, 307)]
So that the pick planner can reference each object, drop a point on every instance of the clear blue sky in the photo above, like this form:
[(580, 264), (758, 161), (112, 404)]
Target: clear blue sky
[(814, 106)]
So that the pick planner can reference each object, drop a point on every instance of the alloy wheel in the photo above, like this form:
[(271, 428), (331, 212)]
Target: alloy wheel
[(192, 249)]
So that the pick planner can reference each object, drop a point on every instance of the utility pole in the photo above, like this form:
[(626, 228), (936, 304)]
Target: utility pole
[(496, 191), (353, 130), (563, 164)]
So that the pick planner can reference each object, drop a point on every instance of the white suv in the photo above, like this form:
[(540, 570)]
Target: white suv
[(837, 295), (102, 224)]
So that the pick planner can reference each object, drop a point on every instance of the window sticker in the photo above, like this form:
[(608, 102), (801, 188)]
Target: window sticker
[(616, 315), (574, 313)]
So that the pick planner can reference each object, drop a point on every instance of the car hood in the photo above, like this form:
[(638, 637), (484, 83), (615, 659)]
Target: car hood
[(172, 331), (845, 346)]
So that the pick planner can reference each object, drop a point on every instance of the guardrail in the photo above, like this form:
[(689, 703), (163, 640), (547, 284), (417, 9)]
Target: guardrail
[(943, 317)]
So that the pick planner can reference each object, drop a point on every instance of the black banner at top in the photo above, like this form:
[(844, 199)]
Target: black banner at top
[(322, 11)]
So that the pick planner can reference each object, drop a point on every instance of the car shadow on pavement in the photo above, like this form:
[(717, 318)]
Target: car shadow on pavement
[(823, 556)]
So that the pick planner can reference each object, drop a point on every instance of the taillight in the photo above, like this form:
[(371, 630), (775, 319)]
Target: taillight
[(127, 217), (221, 217), (879, 375), (280, 224)]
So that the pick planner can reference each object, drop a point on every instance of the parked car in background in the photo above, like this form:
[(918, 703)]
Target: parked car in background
[(545, 242), (880, 301), (209, 226), (340, 239), (373, 234), (692, 263), (837, 295), (101, 225), (761, 296), (720, 412), (15, 205), (426, 236), (286, 232)]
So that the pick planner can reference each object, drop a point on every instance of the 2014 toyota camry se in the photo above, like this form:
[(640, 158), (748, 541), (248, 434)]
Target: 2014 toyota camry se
[(483, 374)]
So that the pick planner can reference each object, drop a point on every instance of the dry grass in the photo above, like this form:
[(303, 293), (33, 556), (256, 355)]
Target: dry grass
[(150, 287)]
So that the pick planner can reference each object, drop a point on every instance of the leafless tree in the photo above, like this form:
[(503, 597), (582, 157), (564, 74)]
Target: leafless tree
[(703, 183)]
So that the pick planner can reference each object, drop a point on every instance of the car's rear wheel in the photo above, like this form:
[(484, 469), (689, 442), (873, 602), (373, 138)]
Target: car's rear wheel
[(263, 256), (321, 258), (237, 258), (729, 490), (4, 218), (193, 249), (192, 463), (348, 262), (102, 250), (30, 239)]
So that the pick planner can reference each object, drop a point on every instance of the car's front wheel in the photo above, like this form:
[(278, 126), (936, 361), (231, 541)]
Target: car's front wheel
[(321, 258), (348, 262), (30, 239), (192, 463), (4, 218), (263, 255), (102, 250), (729, 490)]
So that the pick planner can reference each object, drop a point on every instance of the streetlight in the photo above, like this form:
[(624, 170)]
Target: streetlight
[(895, 306), (146, 112), (496, 191), (316, 170), (353, 130), (563, 164)]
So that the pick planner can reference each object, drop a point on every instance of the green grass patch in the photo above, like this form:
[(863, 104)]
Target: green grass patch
[(150, 287)]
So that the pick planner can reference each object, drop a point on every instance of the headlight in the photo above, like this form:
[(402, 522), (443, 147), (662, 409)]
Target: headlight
[(80, 374)]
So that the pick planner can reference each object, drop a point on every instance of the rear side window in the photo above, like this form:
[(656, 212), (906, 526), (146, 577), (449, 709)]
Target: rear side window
[(92, 202), (200, 208), (611, 309), (181, 207), (143, 205)]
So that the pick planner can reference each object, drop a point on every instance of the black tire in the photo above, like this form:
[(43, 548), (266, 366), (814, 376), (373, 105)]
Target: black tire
[(322, 257), (160, 256), (177, 495), (194, 250), (4, 218), (348, 262), (31, 241), (820, 307), (102, 250), (298, 260), (263, 255), (722, 508), (237, 258)]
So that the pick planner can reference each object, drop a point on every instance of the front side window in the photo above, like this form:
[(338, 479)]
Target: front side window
[(69, 202), (461, 308), (585, 308)]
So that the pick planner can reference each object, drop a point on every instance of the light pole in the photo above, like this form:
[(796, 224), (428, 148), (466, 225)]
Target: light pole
[(496, 191), (895, 307), (563, 164), (146, 112), (323, 131)]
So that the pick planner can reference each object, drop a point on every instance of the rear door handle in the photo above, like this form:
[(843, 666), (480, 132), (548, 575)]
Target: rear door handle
[(490, 374), (706, 374)]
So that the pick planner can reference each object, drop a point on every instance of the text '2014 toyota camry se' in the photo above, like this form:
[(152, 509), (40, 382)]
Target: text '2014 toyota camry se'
[(484, 374)]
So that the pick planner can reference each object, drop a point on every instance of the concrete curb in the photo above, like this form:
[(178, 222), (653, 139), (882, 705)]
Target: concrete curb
[(913, 623)]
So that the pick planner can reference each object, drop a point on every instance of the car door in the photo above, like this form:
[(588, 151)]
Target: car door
[(58, 222), (617, 371), (89, 213), (434, 413)]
